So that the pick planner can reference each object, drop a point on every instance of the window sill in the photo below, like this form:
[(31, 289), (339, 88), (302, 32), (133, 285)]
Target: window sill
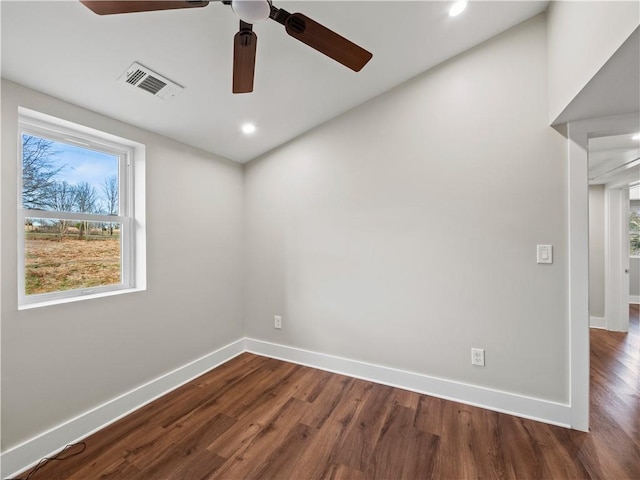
[(78, 298)]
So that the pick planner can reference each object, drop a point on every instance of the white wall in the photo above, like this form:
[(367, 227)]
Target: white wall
[(60, 361), (596, 251), (404, 232), (581, 37)]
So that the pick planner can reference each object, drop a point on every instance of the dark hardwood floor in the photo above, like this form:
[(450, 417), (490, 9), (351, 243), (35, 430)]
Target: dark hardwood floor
[(258, 418)]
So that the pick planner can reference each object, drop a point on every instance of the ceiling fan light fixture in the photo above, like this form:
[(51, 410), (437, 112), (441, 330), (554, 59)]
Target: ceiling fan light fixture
[(457, 8), (251, 11)]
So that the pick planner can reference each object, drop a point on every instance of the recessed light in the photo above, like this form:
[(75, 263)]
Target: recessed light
[(248, 128), (636, 137), (457, 8)]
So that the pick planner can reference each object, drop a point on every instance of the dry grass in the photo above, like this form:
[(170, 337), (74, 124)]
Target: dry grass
[(53, 265)]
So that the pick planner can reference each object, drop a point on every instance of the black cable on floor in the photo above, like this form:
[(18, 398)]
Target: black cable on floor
[(58, 456)]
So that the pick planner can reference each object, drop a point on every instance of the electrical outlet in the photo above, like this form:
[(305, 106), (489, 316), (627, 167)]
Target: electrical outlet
[(477, 356), (277, 322)]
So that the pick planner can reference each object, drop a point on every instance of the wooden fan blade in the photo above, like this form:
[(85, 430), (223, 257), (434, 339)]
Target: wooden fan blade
[(244, 60), (109, 7), (327, 41)]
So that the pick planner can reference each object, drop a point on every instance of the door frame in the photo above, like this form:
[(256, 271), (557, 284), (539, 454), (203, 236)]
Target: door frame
[(578, 134), (616, 276)]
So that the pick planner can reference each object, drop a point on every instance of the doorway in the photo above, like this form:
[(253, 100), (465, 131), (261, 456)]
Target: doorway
[(614, 166), (579, 133)]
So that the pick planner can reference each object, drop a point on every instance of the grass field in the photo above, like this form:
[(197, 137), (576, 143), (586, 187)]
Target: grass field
[(53, 265)]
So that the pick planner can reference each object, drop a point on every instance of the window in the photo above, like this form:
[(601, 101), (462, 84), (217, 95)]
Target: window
[(77, 225), (634, 229)]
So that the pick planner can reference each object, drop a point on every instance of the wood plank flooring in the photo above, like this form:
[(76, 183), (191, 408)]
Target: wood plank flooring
[(259, 418)]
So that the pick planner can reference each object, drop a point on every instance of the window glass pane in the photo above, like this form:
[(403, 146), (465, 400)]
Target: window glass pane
[(67, 254), (635, 244), (634, 222), (62, 177), (634, 232)]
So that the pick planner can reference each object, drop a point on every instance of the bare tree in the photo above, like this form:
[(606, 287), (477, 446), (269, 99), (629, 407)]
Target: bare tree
[(85, 201), (110, 189), (38, 171), (62, 197)]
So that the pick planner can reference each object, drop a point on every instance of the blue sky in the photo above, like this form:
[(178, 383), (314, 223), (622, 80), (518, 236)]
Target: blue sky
[(84, 165)]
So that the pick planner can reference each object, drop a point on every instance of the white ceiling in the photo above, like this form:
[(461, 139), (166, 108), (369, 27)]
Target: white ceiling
[(615, 159), (63, 49), (613, 90)]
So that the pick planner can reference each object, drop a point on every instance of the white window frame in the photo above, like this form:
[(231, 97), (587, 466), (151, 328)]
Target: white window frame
[(130, 206)]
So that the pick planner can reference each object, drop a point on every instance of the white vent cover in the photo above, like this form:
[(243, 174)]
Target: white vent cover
[(141, 77)]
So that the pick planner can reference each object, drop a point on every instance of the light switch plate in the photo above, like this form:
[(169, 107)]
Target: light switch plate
[(545, 254)]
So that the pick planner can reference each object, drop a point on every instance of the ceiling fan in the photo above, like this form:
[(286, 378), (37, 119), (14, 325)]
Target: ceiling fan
[(297, 25)]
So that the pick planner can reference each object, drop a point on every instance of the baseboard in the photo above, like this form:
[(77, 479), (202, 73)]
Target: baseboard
[(25, 455), (598, 322), (518, 405), (635, 299)]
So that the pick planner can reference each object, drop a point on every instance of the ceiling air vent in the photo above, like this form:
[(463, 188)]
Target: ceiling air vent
[(141, 77)]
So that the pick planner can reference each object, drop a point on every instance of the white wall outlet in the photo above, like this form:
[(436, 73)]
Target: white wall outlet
[(277, 322), (477, 356)]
